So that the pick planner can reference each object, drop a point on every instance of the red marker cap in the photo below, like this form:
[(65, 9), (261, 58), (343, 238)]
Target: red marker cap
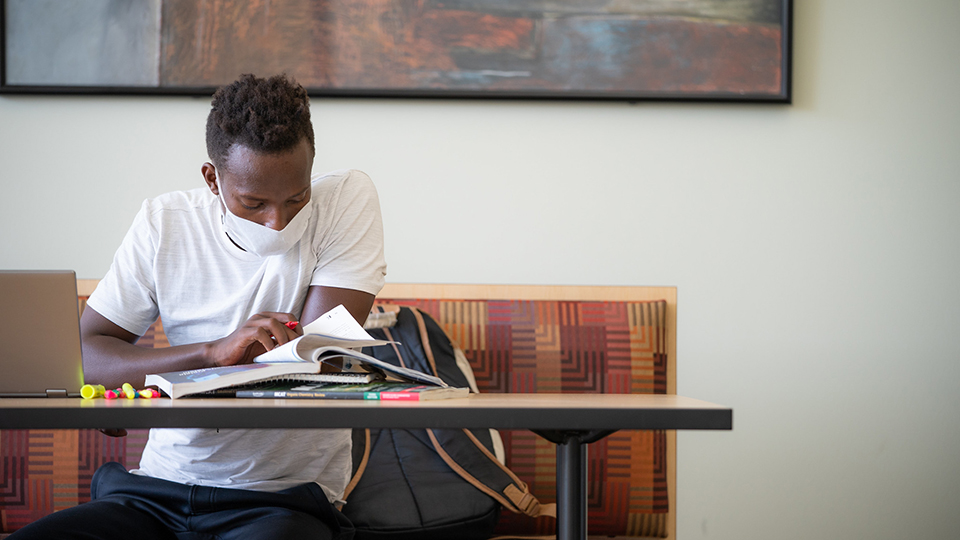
[(291, 325)]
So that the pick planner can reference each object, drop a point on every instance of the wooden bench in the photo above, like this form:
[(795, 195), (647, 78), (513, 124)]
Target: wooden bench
[(517, 339)]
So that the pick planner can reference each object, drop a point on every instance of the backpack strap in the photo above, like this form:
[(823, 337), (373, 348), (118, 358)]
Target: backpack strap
[(425, 340), (519, 496), (361, 468), (393, 343), (515, 497), (381, 316)]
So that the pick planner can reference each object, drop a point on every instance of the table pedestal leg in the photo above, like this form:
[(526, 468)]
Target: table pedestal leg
[(571, 489), (572, 479)]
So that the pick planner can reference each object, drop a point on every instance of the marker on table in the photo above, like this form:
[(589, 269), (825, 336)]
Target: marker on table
[(90, 391), (129, 391)]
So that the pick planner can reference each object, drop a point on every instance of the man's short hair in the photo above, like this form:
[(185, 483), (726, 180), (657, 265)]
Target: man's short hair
[(265, 115)]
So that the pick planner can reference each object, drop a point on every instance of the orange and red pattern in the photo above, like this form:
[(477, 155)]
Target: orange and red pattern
[(513, 346)]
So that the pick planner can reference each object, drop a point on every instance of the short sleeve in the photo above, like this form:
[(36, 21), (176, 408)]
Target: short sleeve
[(349, 241), (127, 294)]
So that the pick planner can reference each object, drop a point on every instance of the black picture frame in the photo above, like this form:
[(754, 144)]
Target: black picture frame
[(716, 39)]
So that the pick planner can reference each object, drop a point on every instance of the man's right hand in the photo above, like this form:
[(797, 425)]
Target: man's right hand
[(261, 333), (110, 357)]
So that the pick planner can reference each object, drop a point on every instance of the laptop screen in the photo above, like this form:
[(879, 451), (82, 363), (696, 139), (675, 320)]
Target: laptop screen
[(40, 334)]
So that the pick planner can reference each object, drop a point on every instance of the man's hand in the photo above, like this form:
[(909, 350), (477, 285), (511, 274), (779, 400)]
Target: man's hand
[(110, 357), (259, 334)]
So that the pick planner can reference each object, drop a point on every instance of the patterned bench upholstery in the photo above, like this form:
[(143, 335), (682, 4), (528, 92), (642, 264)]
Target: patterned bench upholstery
[(518, 339)]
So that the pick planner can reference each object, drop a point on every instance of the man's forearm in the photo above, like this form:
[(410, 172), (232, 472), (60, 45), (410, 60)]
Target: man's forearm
[(110, 361)]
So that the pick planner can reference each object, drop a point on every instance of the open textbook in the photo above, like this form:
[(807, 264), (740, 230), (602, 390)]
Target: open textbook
[(330, 340)]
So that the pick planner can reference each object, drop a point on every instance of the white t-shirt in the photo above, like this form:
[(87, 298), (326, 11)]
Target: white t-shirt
[(177, 263)]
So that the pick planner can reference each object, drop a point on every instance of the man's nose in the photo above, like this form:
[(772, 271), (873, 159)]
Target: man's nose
[(276, 219)]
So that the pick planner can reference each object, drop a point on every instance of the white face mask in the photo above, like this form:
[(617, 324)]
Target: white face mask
[(259, 239)]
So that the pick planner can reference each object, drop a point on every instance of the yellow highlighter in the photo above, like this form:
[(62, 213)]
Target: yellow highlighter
[(90, 391), (129, 391)]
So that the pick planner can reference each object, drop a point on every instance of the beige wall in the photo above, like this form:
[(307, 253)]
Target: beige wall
[(816, 246)]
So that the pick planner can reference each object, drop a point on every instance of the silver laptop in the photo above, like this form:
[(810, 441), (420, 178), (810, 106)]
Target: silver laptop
[(39, 334)]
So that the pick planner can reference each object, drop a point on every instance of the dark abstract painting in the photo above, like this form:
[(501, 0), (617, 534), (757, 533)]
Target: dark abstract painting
[(617, 49)]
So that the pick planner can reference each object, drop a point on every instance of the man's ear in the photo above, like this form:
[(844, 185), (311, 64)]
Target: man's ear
[(209, 173)]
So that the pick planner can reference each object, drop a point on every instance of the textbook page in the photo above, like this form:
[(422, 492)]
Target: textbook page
[(338, 322), (336, 327)]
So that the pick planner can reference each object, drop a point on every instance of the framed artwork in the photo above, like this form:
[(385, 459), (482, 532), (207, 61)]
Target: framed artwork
[(705, 50)]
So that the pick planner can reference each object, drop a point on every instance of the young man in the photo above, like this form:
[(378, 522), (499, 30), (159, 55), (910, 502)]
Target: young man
[(225, 267)]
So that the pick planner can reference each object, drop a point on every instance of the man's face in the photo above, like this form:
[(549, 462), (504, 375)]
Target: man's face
[(268, 189)]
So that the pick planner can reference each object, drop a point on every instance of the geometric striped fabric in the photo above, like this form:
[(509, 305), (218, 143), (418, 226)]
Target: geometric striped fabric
[(513, 346), (45, 470), (572, 347)]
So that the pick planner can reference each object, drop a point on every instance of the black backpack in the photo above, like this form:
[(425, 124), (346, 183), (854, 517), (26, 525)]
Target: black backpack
[(429, 483)]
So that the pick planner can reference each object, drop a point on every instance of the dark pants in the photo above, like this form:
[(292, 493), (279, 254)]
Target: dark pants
[(125, 505)]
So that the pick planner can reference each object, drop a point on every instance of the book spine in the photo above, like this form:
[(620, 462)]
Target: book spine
[(399, 396), (287, 394)]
